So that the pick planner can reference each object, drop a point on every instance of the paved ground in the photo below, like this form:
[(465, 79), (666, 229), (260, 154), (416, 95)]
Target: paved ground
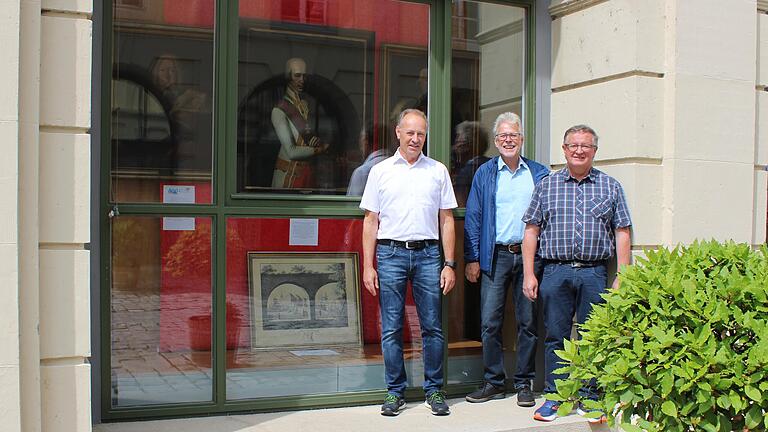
[(494, 416)]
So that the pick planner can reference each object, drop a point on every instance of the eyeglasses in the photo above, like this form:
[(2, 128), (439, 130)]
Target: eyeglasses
[(583, 147), (507, 136)]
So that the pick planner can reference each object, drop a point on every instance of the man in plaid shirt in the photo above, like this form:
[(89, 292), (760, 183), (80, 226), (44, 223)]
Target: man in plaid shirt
[(580, 219)]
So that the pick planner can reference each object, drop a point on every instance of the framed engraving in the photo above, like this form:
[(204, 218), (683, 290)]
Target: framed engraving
[(303, 299)]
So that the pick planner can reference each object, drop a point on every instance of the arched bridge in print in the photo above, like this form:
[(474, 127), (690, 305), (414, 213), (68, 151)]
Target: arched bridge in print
[(310, 285)]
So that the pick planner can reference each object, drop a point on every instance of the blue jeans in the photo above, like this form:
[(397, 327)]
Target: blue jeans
[(565, 291), (397, 265), (507, 271)]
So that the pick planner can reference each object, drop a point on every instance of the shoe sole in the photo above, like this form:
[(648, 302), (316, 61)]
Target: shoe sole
[(429, 407), (542, 418), (485, 399), (393, 413), (526, 404)]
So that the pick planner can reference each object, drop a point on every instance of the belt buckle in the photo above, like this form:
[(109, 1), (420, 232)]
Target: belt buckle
[(511, 248), (409, 243), (578, 264)]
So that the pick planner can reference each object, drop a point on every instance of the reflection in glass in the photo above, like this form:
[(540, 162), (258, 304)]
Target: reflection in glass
[(161, 105), (467, 154), (160, 303), (488, 64), (307, 71)]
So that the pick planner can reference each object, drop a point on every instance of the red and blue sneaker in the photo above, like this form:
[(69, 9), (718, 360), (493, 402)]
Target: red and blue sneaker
[(547, 411)]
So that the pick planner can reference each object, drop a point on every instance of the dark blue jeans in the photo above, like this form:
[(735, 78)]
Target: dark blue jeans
[(507, 272), (565, 291), (422, 267)]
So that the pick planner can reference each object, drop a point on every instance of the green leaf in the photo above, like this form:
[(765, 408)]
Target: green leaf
[(627, 397), (565, 408), (754, 416), (753, 394), (626, 427), (669, 408), (666, 384), (736, 402), (724, 402), (703, 334)]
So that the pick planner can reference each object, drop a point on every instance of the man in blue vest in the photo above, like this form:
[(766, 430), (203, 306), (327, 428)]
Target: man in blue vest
[(493, 234)]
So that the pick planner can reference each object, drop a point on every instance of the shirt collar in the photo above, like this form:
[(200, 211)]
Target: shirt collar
[(590, 177), (500, 165), (399, 157)]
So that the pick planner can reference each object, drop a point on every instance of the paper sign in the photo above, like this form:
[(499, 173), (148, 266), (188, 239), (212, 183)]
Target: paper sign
[(303, 232), (178, 194), (178, 224)]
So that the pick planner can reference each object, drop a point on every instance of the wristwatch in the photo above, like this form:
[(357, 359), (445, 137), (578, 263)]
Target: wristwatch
[(451, 264)]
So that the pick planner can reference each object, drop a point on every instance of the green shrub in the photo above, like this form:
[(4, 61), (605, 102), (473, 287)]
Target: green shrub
[(681, 345)]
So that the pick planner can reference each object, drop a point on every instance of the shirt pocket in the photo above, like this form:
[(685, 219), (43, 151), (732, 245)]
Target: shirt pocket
[(601, 208)]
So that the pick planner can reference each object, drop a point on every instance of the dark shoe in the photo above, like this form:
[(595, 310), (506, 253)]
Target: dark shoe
[(436, 402), (485, 393), (392, 405), (525, 397)]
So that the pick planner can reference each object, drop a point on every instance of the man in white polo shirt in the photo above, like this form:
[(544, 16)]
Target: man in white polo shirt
[(407, 201)]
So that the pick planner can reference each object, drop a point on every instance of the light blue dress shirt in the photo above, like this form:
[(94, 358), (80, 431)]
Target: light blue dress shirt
[(513, 194)]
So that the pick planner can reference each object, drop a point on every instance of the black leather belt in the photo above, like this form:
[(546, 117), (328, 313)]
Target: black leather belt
[(514, 248), (410, 244), (576, 263)]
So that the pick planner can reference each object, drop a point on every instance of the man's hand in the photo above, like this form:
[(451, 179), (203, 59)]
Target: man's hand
[(615, 282), (371, 280), (447, 279), (472, 271), (531, 287)]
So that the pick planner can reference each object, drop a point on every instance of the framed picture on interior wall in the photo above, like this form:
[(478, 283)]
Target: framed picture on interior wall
[(333, 102), (304, 299)]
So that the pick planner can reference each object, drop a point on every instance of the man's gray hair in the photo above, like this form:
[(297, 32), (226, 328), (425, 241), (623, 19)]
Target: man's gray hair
[(509, 118), (581, 128), (418, 112)]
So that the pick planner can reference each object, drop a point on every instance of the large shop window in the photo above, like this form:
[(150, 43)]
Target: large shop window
[(305, 94)]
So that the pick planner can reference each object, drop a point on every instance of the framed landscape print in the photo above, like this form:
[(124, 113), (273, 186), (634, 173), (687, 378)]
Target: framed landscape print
[(303, 299)]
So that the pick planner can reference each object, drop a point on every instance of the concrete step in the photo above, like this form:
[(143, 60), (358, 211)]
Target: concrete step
[(495, 416)]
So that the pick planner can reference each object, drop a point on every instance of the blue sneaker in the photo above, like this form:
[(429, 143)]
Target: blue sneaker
[(547, 411), (592, 415)]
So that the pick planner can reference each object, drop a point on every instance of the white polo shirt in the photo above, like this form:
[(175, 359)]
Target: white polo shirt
[(408, 197)]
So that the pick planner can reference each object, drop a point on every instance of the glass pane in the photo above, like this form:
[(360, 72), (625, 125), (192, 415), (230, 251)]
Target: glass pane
[(161, 102), (488, 64), (160, 302), (298, 320), (488, 67), (319, 82)]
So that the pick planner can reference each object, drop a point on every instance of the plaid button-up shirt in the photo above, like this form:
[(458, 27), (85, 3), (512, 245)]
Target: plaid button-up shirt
[(578, 218)]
